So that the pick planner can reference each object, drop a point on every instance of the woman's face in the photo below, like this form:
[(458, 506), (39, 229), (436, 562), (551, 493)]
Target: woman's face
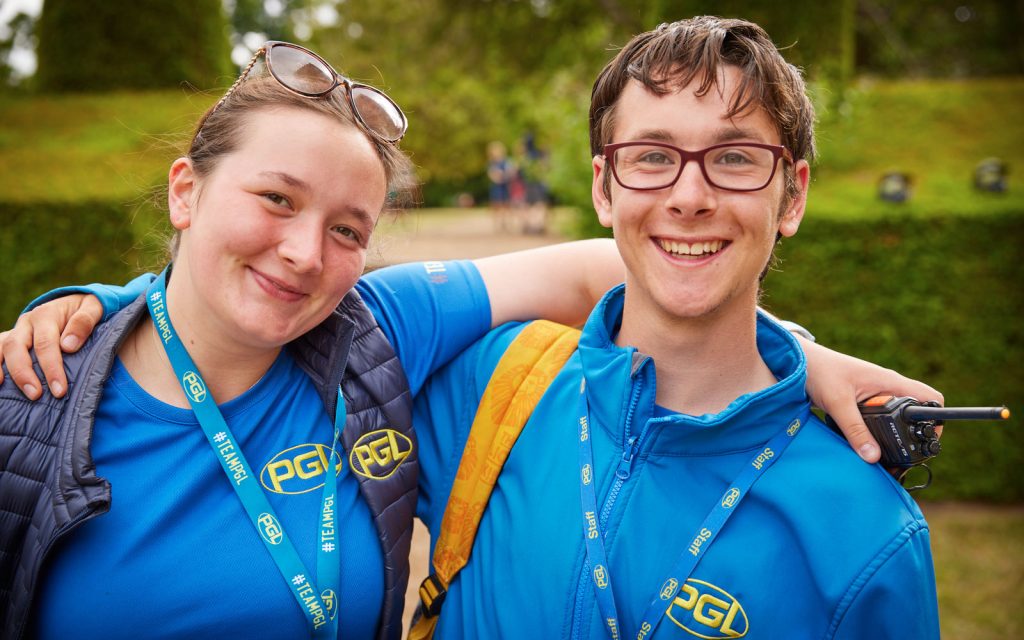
[(276, 234)]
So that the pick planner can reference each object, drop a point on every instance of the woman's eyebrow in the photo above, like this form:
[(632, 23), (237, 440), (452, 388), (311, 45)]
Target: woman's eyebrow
[(288, 179)]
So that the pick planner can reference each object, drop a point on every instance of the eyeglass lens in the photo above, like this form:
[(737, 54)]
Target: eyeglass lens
[(730, 167), (303, 73), (378, 112)]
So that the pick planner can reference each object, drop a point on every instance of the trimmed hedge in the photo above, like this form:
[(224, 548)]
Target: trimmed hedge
[(133, 44), (46, 245), (939, 299)]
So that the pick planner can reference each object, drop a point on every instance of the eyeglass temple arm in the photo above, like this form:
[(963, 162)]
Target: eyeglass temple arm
[(238, 81)]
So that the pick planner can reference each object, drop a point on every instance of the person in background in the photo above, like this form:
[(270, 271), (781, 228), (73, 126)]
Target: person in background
[(534, 166), (500, 172)]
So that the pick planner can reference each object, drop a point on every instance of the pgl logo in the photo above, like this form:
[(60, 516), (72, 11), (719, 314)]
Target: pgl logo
[(194, 386), (706, 611), (299, 469), (669, 588), (730, 498), (330, 602), (601, 577), (378, 454), (270, 528)]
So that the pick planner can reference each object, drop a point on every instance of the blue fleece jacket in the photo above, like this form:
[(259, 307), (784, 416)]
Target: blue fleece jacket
[(824, 546)]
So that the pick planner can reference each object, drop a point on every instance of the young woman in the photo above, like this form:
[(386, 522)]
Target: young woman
[(250, 410)]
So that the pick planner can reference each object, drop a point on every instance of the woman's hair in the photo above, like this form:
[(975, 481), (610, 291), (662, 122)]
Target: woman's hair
[(221, 130)]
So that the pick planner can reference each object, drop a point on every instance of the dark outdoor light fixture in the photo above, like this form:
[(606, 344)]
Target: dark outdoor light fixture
[(894, 187), (990, 175)]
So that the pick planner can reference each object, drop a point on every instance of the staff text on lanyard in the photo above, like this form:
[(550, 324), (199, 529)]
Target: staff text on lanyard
[(700, 542)]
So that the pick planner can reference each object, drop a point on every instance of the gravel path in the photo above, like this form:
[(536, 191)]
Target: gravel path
[(445, 234)]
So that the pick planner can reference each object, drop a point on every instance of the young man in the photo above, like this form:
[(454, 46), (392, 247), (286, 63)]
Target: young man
[(688, 491)]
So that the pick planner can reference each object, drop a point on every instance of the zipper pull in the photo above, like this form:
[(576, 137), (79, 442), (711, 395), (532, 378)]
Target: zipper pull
[(626, 464)]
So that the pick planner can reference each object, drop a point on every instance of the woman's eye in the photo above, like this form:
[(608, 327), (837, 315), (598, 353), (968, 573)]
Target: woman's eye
[(276, 198), (347, 232)]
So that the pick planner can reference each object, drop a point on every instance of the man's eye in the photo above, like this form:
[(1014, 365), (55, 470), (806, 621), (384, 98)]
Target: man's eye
[(655, 157), (734, 157)]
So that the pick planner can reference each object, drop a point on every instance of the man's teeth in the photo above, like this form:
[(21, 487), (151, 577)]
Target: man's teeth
[(694, 249)]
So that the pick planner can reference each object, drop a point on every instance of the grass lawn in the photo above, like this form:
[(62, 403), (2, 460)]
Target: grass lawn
[(112, 146), (935, 130), (979, 566)]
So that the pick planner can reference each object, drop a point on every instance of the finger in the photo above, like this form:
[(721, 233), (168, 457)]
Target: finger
[(81, 324), (45, 341), (850, 422), (899, 385), (16, 345), (3, 336)]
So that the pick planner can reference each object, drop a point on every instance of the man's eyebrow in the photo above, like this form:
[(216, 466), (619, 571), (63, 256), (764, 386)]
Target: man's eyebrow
[(658, 135), (719, 136), (732, 134)]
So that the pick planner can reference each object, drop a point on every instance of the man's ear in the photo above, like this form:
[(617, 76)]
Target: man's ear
[(182, 193), (602, 200), (794, 214)]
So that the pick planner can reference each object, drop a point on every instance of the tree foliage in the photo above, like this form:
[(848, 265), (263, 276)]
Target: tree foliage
[(471, 71), (942, 38), (131, 44)]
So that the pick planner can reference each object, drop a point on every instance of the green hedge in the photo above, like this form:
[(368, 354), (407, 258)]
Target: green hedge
[(46, 245), (132, 44), (939, 299)]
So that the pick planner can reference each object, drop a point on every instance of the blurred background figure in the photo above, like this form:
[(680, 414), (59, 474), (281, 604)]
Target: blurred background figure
[(533, 169), (500, 171)]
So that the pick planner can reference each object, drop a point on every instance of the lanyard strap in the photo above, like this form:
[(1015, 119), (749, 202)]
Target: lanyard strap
[(319, 606), (700, 542)]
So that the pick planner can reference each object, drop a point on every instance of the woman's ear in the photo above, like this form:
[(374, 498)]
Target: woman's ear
[(794, 214), (599, 194), (182, 193)]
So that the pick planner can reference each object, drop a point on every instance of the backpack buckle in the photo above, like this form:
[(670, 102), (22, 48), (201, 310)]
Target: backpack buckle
[(432, 595)]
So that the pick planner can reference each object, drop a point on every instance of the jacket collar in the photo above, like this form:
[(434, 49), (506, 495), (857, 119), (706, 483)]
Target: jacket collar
[(619, 378)]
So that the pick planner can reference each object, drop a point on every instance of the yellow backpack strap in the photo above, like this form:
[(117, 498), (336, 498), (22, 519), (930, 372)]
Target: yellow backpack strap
[(523, 374)]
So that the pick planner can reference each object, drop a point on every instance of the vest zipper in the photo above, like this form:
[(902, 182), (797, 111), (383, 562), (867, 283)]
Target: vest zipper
[(631, 445)]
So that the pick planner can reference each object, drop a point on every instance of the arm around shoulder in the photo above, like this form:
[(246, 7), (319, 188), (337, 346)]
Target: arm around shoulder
[(560, 282)]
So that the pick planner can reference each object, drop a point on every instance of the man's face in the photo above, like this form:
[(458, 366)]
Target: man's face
[(693, 250)]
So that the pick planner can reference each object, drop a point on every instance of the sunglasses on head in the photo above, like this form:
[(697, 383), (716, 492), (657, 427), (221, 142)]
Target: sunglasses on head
[(303, 72)]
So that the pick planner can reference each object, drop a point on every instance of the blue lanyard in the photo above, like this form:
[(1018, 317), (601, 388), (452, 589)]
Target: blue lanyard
[(700, 542), (320, 606)]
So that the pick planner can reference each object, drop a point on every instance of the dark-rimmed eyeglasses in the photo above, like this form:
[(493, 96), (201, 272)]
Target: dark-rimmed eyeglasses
[(733, 166), (303, 72)]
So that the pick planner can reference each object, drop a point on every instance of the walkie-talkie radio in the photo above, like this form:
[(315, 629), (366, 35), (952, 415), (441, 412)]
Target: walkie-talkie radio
[(905, 429)]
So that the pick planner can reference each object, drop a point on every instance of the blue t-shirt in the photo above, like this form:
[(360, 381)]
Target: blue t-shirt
[(176, 556)]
